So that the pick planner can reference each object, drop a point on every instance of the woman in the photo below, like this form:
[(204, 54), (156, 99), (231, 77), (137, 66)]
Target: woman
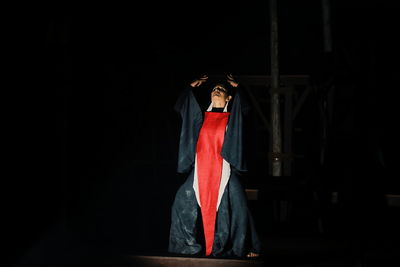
[(210, 215)]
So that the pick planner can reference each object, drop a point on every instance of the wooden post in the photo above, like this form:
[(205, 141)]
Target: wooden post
[(326, 20), (276, 163), (288, 133)]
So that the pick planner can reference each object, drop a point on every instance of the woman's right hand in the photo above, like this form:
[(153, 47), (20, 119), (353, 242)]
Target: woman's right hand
[(200, 81), (231, 80)]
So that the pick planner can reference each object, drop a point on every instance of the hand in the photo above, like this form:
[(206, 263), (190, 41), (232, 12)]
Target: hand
[(231, 80), (200, 81)]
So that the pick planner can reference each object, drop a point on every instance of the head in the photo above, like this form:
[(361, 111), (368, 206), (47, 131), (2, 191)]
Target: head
[(220, 94)]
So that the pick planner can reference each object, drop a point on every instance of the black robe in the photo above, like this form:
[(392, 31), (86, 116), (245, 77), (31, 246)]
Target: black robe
[(235, 233)]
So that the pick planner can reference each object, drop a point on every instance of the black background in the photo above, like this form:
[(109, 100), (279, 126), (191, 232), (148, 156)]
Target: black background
[(93, 137)]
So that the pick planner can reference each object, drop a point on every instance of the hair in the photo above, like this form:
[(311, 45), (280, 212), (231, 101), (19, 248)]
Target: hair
[(221, 82)]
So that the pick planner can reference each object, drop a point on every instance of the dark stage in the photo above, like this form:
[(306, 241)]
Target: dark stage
[(94, 138)]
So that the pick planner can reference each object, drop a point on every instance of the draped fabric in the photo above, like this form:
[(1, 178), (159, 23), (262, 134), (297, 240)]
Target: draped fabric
[(209, 170), (192, 119), (226, 229)]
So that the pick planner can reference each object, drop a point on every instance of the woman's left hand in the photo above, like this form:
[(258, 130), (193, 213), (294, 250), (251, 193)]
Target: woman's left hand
[(231, 80)]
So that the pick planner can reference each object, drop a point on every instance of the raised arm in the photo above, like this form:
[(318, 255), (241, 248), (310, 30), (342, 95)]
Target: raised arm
[(199, 81), (244, 103)]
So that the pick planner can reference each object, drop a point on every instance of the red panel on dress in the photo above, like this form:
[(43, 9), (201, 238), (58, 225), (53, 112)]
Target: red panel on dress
[(209, 170)]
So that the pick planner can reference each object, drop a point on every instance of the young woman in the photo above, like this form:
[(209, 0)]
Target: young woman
[(210, 215)]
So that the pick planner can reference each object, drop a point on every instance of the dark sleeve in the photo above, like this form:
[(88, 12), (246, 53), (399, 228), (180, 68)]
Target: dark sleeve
[(244, 99), (203, 97), (200, 94), (182, 98), (190, 112), (233, 148)]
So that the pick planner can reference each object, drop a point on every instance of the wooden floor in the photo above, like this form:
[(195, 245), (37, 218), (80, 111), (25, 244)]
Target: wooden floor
[(190, 261)]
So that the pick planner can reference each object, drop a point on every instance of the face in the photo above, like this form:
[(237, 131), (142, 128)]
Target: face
[(219, 93)]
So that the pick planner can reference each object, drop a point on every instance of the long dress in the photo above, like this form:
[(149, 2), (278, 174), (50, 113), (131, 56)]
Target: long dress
[(210, 213)]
